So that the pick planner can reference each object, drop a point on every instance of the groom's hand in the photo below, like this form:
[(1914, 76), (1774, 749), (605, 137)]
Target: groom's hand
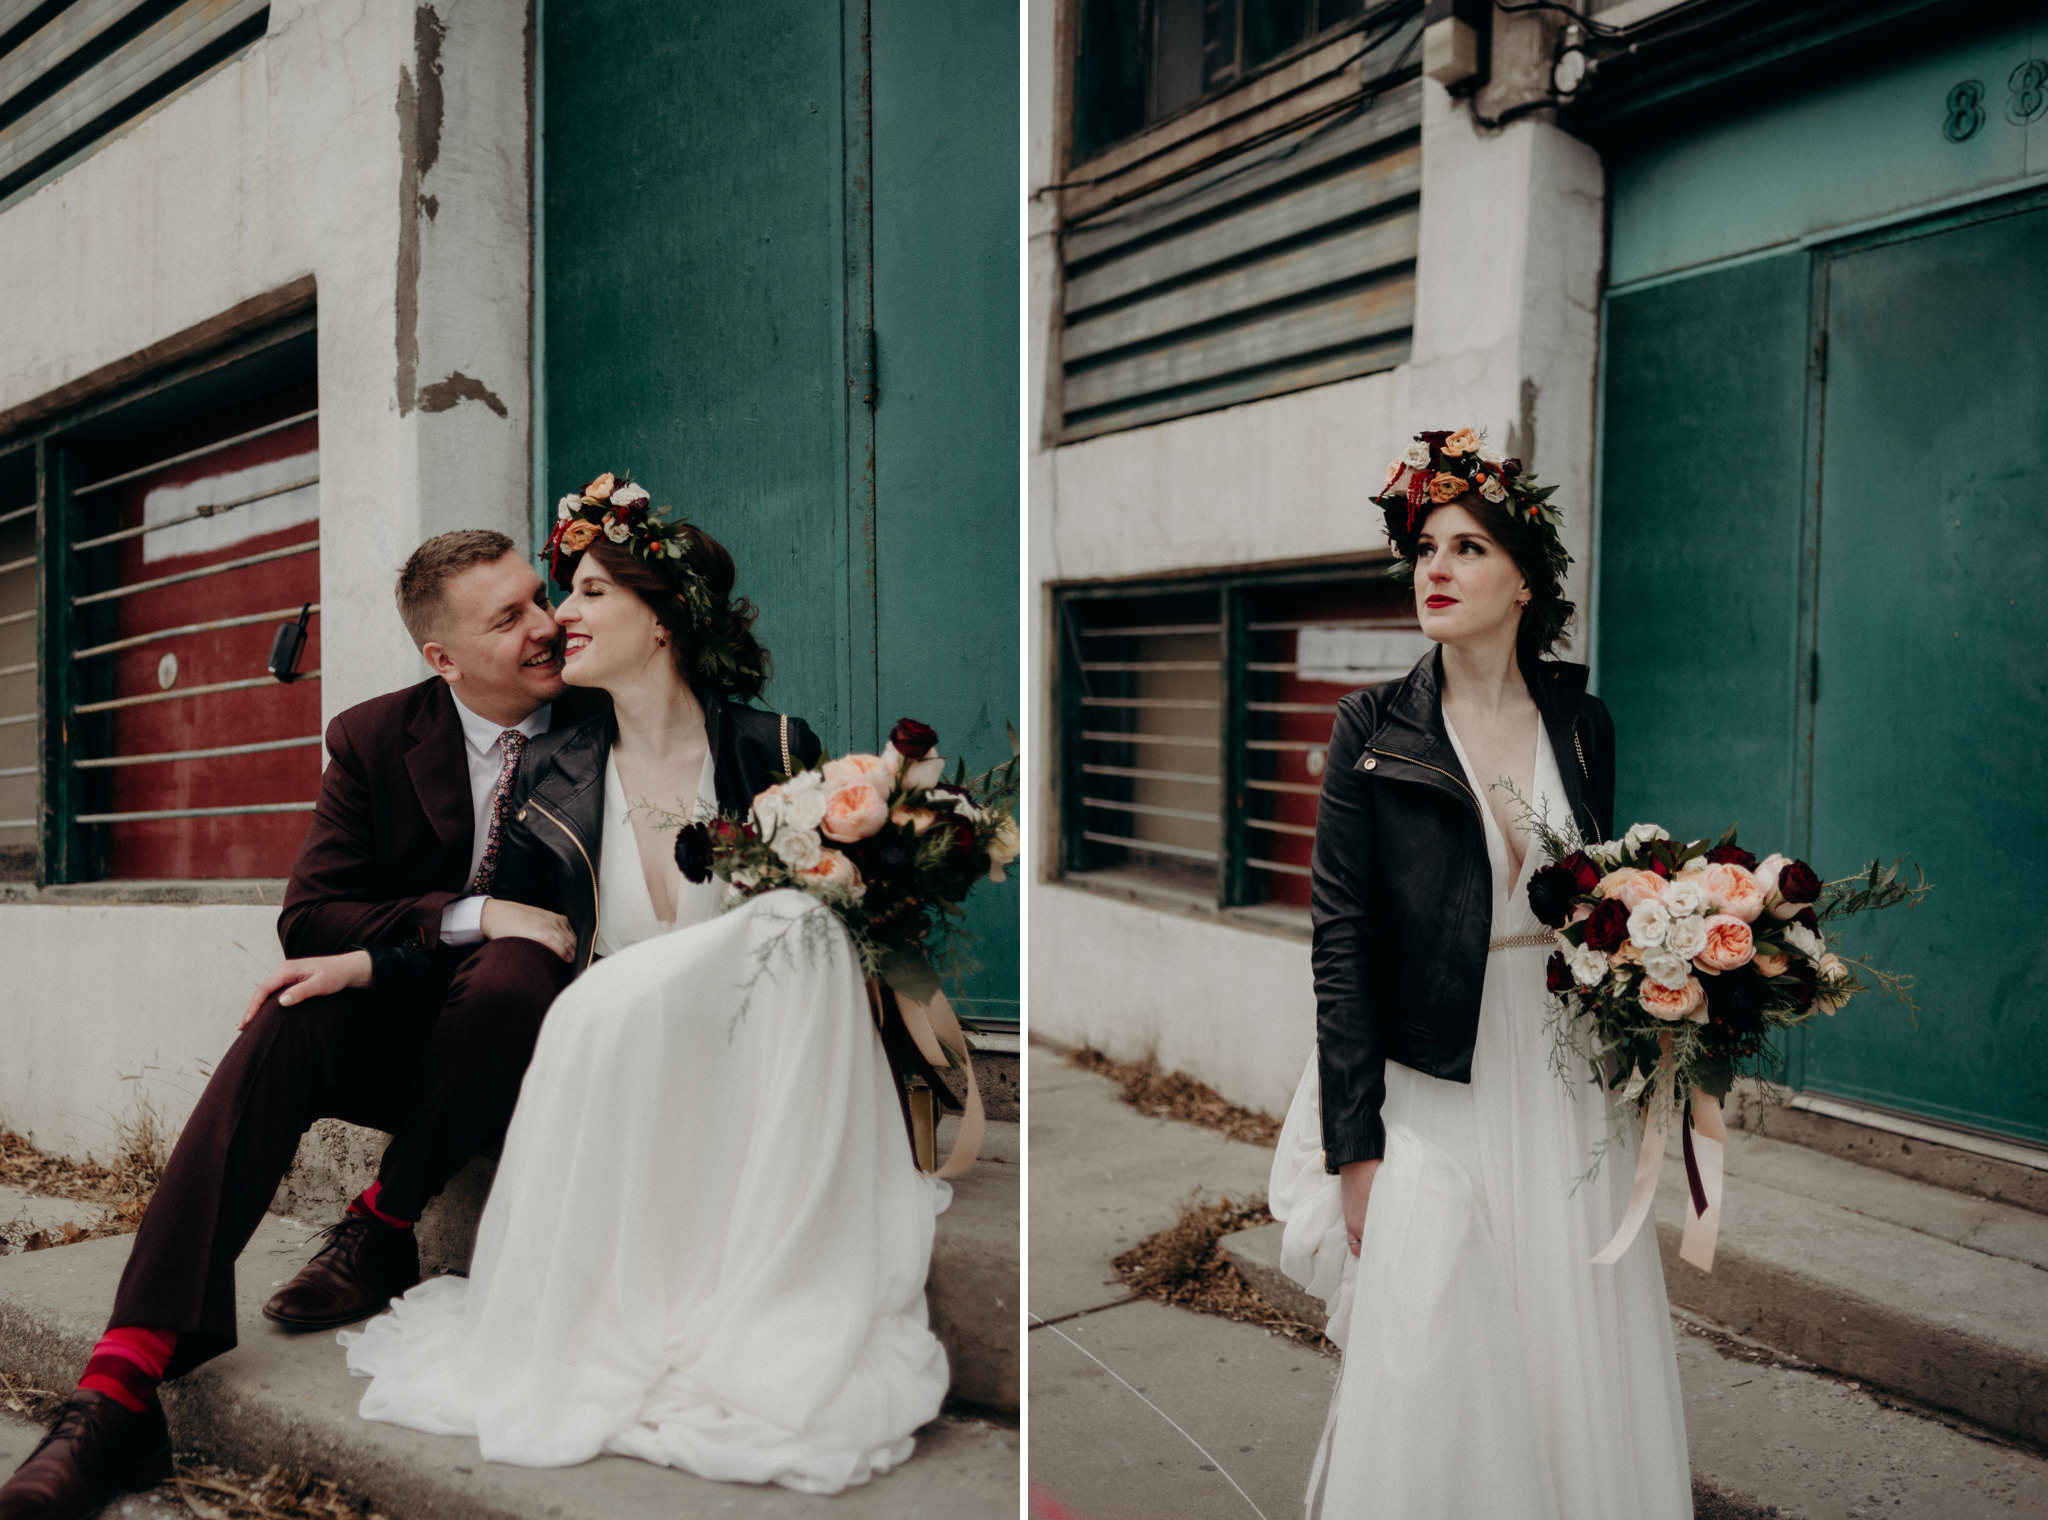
[(511, 920), (1354, 1181), (309, 977)]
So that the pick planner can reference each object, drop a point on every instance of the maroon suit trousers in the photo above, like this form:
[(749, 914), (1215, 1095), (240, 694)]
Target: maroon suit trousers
[(438, 1070)]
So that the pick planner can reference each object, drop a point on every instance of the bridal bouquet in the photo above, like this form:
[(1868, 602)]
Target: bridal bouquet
[(1676, 965), (885, 841)]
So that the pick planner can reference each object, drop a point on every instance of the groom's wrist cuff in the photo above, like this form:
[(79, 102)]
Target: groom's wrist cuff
[(462, 921)]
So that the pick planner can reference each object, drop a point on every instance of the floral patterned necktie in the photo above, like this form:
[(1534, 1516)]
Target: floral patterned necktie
[(487, 868)]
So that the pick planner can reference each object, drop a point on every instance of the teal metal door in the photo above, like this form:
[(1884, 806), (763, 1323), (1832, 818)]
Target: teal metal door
[(1932, 641), (947, 254), (1822, 541), (778, 276)]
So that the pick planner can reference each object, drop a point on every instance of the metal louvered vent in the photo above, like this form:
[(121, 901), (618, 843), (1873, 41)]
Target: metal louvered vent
[(71, 75), (1289, 266)]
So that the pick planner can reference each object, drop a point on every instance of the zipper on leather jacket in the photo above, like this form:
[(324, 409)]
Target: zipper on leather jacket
[(1458, 781), (596, 908)]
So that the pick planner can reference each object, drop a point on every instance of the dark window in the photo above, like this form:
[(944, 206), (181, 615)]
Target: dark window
[(1140, 61), (173, 529), (1195, 721)]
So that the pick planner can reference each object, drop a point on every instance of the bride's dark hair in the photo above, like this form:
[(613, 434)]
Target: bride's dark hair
[(718, 653)]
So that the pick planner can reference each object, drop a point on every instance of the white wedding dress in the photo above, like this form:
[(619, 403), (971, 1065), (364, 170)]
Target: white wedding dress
[(706, 1245), (1489, 1369)]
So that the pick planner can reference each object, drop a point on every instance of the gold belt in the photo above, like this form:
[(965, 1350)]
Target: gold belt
[(1521, 941)]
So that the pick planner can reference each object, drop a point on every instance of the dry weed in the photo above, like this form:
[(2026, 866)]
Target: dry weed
[(1176, 1095), (122, 1187), (1182, 1265), (213, 1492)]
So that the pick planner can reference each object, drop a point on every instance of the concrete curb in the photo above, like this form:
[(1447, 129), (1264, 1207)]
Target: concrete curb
[(286, 1399)]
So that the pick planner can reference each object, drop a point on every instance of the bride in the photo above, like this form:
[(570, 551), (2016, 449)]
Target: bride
[(707, 1242), (1426, 1170)]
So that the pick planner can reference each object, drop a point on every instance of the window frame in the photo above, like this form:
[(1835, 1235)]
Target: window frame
[(1234, 894), (65, 854)]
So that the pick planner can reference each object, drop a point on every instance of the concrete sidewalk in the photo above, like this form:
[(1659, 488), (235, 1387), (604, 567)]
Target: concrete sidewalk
[(286, 1399), (1113, 1376)]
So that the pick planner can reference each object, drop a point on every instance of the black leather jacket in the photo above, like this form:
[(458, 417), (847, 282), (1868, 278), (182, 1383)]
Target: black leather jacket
[(1402, 892), (554, 821)]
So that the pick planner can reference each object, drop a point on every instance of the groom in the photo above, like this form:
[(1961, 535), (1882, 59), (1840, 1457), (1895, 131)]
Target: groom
[(400, 852)]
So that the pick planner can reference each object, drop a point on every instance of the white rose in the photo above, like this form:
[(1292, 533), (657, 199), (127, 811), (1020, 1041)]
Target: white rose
[(1766, 873), (1831, 969), (616, 532), (769, 809), (1667, 968), (796, 848), (566, 507), (1606, 854), (1492, 455), (1804, 940), (1685, 895), (804, 808), (1687, 936), (1587, 964), (1416, 456), (1640, 834), (1697, 863), (1648, 923), (1492, 489), (917, 774), (629, 496)]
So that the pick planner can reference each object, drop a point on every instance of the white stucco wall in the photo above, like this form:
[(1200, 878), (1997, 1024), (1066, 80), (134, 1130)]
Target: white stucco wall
[(1506, 339), (335, 148)]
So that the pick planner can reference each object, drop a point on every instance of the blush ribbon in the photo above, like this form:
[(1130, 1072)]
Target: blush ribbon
[(1703, 1142)]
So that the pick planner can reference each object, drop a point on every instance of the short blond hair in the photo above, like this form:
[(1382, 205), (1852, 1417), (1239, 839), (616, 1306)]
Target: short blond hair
[(425, 578)]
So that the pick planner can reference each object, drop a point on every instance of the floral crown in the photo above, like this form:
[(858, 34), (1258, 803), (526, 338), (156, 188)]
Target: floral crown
[(614, 506), (1440, 467)]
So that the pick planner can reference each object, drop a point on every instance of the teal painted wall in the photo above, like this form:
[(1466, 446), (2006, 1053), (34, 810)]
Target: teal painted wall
[(1846, 151), (1823, 523), (947, 253), (731, 197)]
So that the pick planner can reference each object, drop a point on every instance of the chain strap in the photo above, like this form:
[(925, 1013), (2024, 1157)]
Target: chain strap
[(1580, 749), (787, 771)]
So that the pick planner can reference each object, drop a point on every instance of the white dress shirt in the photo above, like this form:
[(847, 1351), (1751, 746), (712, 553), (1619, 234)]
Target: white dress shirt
[(462, 921)]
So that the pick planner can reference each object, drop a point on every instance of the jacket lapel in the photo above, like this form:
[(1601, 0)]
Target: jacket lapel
[(1411, 743), (1559, 689), (440, 771)]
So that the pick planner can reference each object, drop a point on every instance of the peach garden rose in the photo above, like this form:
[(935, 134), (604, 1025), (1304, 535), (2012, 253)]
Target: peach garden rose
[(872, 770), (1733, 890), (1687, 1002), (854, 812), (1729, 944)]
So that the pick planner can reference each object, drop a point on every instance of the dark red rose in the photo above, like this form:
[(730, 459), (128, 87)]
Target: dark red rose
[(1585, 875), (1660, 868), (1804, 981), (1731, 855), (1551, 891), (693, 852), (913, 741), (1797, 882), (1557, 976), (1435, 440), (1608, 926), (1510, 468), (1736, 999), (1808, 918)]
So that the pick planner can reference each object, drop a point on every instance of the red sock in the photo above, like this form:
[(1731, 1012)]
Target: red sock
[(366, 1203), (128, 1363)]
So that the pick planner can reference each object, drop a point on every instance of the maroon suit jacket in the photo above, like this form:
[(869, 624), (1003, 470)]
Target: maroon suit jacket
[(389, 844)]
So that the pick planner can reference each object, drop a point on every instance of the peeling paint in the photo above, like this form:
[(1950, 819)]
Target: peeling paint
[(443, 395), (421, 105)]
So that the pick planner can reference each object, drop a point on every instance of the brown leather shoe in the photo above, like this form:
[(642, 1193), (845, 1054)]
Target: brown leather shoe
[(95, 1449), (364, 1265)]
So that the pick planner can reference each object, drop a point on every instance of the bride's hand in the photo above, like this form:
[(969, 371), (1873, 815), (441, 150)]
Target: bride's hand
[(308, 977), (511, 920), (1354, 1180)]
